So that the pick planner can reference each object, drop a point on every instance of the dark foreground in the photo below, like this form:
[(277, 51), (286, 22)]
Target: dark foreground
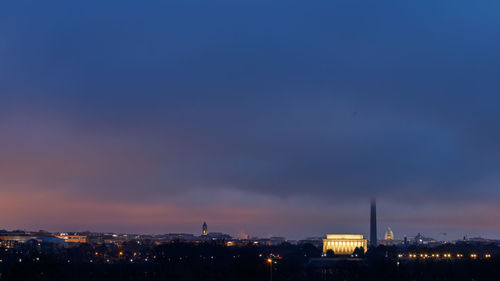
[(217, 262)]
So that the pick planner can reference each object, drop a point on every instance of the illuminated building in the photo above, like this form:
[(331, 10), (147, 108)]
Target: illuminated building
[(389, 239), (204, 229), (344, 244), (72, 238), (16, 238), (389, 235)]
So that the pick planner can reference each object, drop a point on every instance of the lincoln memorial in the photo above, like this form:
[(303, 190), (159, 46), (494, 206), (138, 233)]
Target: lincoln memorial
[(344, 244)]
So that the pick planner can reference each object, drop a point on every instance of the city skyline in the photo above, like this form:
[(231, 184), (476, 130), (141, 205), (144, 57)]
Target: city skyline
[(263, 118), (373, 221)]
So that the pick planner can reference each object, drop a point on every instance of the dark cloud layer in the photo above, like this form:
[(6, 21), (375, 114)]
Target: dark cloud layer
[(262, 108)]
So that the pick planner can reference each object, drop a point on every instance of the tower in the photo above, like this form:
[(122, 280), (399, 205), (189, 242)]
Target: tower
[(373, 224), (204, 229)]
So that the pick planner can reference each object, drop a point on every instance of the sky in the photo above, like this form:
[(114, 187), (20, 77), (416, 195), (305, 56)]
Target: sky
[(262, 118)]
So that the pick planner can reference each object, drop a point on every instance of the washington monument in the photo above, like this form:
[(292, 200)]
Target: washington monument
[(373, 224)]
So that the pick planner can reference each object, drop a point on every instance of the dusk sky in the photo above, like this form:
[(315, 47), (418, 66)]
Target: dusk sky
[(259, 117)]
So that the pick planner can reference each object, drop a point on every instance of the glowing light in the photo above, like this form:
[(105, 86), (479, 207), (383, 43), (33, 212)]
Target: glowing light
[(269, 260), (344, 244)]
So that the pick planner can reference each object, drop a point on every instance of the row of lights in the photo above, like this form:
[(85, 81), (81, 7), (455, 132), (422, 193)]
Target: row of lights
[(473, 256)]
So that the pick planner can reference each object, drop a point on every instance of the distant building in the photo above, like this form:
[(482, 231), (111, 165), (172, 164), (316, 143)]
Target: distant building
[(315, 241), (113, 238), (477, 241), (421, 240), (10, 238), (218, 236), (17, 238), (389, 235), (204, 229), (344, 244), (275, 241), (68, 238), (182, 237)]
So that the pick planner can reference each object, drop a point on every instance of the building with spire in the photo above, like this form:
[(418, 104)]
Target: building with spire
[(204, 229)]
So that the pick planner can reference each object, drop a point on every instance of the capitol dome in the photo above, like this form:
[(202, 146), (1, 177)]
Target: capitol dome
[(389, 235)]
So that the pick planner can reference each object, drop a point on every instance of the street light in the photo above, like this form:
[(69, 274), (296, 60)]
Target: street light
[(270, 261)]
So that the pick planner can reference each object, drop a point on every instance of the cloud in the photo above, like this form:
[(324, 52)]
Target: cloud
[(148, 106)]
